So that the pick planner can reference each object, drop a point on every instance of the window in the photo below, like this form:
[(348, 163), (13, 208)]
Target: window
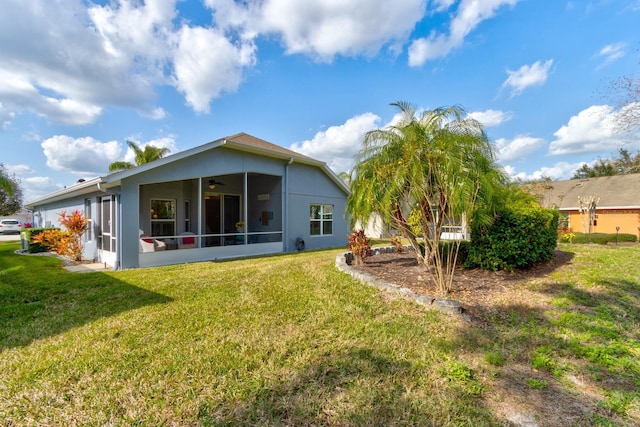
[(88, 235), (163, 217), (321, 220)]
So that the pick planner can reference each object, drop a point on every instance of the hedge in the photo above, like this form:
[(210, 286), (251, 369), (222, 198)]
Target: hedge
[(603, 238), (516, 238), (36, 247)]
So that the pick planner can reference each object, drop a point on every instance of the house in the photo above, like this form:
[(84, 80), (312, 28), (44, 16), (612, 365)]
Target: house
[(617, 207), (233, 197)]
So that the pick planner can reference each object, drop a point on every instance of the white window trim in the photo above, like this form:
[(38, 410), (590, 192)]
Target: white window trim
[(321, 221)]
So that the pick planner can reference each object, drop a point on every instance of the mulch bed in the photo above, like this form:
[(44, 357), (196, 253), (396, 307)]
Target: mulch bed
[(479, 291)]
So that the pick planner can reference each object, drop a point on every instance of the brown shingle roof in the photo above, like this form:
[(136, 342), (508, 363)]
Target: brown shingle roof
[(252, 141), (613, 191)]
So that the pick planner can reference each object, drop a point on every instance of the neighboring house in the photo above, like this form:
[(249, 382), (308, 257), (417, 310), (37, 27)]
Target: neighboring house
[(618, 202), (377, 229), (234, 197)]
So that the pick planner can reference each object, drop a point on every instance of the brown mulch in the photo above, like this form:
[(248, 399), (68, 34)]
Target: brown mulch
[(479, 291)]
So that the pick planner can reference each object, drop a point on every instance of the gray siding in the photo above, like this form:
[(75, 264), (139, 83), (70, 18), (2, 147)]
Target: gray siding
[(309, 185)]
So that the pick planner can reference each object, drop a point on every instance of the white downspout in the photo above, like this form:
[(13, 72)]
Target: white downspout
[(285, 208)]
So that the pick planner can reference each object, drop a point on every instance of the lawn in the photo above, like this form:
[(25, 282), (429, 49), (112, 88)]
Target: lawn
[(289, 340)]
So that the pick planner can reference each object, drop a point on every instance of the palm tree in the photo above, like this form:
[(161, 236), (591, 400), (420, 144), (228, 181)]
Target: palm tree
[(149, 154), (424, 173)]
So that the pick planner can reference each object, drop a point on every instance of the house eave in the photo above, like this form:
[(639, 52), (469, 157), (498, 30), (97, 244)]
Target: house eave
[(86, 187)]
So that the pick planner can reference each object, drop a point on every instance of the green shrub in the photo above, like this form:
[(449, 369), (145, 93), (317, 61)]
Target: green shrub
[(35, 248), (516, 238), (603, 238)]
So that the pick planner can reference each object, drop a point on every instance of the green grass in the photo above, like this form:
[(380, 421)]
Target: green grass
[(289, 340)]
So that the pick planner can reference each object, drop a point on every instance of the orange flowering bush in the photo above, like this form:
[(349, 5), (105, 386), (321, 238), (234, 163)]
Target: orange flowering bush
[(67, 242)]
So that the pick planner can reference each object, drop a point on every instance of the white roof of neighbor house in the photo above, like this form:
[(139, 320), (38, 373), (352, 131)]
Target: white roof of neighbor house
[(619, 191), (240, 141)]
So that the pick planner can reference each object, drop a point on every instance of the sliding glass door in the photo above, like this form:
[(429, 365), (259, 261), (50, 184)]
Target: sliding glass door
[(221, 214)]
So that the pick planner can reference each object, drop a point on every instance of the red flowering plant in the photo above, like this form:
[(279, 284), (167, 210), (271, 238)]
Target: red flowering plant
[(358, 244)]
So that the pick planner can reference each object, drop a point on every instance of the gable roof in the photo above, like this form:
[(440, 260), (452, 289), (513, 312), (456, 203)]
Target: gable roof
[(240, 141), (619, 191), (247, 141)]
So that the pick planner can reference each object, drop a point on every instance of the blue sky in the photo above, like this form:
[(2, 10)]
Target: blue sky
[(80, 78)]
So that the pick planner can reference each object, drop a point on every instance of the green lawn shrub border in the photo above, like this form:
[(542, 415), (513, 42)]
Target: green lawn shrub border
[(603, 238)]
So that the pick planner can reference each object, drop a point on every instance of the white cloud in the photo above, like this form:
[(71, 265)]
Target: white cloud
[(611, 53), (67, 61), (441, 5), (592, 130), (31, 136), (207, 64), (338, 145), (6, 117), (559, 171), (80, 156), (490, 118), (38, 186), (21, 94), (58, 61), (528, 75), (469, 15), (519, 148), (155, 114), (18, 169), (323, 29)]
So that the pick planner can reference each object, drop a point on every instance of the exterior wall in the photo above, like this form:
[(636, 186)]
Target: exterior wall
[(608, 219), (264, 194), (375, 228), (309, 185), (129, 225)]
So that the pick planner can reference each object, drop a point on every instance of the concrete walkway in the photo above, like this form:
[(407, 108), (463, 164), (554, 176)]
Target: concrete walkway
[(88, 268)]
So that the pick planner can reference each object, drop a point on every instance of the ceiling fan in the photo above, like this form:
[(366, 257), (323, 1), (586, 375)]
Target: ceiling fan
[(213, 183)]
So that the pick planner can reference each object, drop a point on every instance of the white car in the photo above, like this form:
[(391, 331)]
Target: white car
[(8, 226)]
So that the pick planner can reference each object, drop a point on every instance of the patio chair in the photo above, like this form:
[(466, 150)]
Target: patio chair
[(149, 244), (186, 240)]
